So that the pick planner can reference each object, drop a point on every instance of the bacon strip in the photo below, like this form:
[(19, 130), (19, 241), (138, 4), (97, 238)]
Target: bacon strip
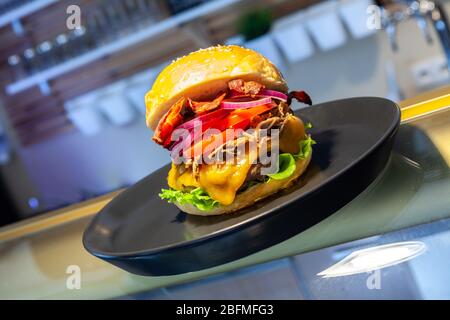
[(300, 96), (204, 106), (245, 87), (172, 119)]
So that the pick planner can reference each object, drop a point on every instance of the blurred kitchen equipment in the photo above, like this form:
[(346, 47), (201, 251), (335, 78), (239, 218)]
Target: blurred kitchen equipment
[(78, 41), (106, 43), (105, 23), (324, 25), (354, 14), (98, 26), (61, 51), (177, 6), (292, 38), (137, 86), (5, 149), (116, 15), (16, 66), (114, 105), (135, 11), (394, 93), (266, 46), (45, 54), (30, 61), (84, 115), (394, 12), (430, 72)]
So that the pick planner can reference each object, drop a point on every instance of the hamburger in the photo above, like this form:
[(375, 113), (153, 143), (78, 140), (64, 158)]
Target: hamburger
[(224, 115)]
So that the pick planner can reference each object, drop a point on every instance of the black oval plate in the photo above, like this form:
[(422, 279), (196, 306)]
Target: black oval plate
[(141, 233)]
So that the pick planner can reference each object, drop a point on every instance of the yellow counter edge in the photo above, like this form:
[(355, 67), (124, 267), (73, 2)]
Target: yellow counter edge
[(416, 107), (55, 218), (425, 104)]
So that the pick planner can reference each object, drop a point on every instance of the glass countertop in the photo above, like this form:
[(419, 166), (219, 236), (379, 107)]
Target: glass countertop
[(412, 191), (412, 263)]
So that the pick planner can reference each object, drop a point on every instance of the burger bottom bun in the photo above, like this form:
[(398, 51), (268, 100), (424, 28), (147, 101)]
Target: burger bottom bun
[(252, 194)]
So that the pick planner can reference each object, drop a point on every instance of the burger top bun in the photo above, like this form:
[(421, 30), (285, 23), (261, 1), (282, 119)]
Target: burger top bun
[(202, 74)]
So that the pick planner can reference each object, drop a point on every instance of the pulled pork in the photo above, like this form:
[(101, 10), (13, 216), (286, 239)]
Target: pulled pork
[(251, 88)]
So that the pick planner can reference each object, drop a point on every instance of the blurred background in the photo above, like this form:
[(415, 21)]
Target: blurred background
[(72, 123)]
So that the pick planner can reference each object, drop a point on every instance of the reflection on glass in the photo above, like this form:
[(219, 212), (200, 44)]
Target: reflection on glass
[(373, 258)]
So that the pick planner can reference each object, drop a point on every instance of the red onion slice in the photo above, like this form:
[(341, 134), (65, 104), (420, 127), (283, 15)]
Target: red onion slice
[(273, 94), (231, 105), (265, 93)]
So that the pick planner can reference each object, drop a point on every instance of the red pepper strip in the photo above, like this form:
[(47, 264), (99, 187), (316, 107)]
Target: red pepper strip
[(211, 124), (238, 119), (250, 112), (235, 122), (214, 123), (200, 147), (217, 140), (215, 117), (230, 122)]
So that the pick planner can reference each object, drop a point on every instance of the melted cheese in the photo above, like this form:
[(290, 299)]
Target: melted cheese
[(178, 182), (221, 182)]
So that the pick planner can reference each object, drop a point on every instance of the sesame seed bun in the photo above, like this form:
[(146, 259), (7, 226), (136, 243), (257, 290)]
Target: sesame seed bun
[(200, 75)]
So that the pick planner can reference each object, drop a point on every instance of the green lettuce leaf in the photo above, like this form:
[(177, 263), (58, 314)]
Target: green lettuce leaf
[(286, 167), (305, 148), (286, 161), (197, 197)]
